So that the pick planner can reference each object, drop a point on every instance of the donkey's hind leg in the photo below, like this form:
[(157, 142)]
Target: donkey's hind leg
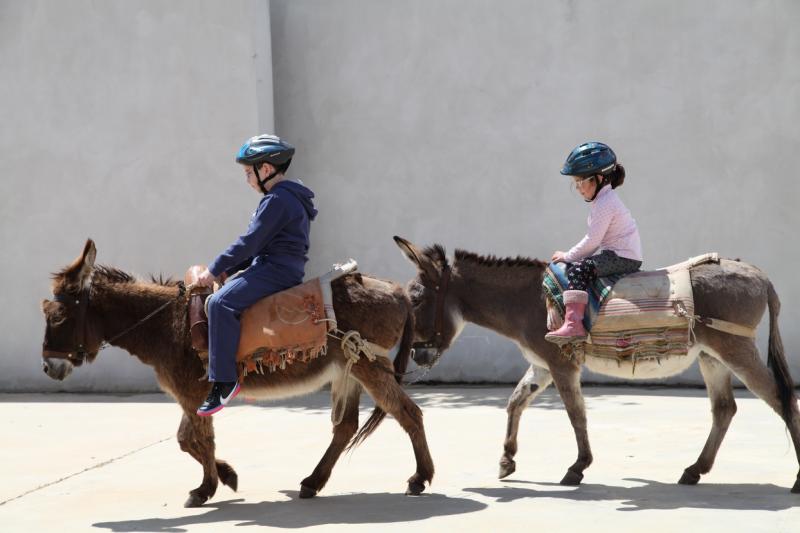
[(196, 437), (723, 407), (749, 367), (378, 379), (535, 380), (344, 403)]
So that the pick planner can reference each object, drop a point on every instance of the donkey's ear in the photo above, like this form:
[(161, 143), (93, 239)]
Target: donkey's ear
[(422, 261), (78, 272), (89, 254), (409, 250)]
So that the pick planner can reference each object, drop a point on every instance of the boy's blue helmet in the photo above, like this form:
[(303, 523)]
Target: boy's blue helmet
[(589, 158), (265, 149)]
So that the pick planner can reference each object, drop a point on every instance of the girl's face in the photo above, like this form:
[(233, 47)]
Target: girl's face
[(585, 186)]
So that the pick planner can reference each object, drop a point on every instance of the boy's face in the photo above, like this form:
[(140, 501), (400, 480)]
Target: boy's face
[(263, 171)]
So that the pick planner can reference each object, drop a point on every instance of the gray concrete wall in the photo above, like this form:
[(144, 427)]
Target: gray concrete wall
[(440, 121), (447, 122), (120, 122)]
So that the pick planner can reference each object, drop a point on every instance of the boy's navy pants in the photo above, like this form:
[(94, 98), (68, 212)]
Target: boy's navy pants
[(225, 308)]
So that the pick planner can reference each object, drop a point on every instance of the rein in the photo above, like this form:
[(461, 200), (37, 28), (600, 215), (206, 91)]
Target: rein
[(82, 302)]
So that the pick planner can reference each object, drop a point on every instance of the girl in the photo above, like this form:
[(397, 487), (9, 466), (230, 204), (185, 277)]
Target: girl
[(612, 230)]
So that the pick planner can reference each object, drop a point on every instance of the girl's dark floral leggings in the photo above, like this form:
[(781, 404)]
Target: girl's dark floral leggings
[(582, 273)]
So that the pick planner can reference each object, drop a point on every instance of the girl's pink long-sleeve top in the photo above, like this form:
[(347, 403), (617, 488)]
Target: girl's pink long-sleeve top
[(611, 227)]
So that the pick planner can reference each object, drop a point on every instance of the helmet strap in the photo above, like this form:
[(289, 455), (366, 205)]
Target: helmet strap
[(261, 183), (598, 184)]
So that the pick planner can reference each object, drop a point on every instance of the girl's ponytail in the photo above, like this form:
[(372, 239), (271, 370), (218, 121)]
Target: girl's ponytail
[(616, 177)]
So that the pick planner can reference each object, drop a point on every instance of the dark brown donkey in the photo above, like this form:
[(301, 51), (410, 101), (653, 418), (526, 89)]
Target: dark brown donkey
[(505, 295), (91, 304)]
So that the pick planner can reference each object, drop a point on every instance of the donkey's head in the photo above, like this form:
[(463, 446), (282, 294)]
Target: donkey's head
[(437, 318), (68, 338)]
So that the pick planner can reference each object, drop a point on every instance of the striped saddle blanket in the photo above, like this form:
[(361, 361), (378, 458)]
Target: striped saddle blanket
[(642, 315), (556, 282)]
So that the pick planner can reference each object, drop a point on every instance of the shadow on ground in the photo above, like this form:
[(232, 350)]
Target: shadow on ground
[(652, 495), (446, 396), (295, 513)]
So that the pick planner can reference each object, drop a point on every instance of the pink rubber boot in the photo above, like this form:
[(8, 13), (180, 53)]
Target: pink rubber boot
[(572, 330)]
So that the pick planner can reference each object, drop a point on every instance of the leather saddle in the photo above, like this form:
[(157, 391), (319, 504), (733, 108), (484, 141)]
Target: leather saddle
[(278, 329)]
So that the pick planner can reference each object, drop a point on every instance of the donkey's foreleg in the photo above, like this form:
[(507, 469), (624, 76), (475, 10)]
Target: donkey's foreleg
[(723, 407), (568, 382), (344, 399), (378, 380), (535, 380), (196, 437)]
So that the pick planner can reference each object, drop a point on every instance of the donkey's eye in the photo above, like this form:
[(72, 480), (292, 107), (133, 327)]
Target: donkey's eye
[(57, 315), (54, 312)]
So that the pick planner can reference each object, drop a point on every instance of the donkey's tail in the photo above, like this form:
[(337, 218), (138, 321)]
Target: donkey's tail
[(400, 366), (776, 360)]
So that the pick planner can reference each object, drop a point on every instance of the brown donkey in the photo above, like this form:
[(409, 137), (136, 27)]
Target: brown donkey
[(91, 304), (505, 295)]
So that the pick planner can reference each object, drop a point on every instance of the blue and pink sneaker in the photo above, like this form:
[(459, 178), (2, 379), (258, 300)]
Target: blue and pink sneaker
[(221, 393)]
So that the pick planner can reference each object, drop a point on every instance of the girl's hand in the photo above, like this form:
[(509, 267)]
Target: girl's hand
[(558, 257), (206, 279)]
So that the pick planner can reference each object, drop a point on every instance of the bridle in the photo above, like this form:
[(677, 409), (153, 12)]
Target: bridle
[(438, 339), (78, 355)]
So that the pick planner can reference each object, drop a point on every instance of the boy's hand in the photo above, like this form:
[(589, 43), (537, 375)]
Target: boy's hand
[(206, 279)]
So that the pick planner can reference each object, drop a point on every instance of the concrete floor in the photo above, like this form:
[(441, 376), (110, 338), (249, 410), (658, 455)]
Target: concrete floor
[(111, 463)]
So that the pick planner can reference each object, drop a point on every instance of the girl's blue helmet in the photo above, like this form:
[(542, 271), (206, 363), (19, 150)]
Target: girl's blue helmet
[(265, 149), (589, 158)]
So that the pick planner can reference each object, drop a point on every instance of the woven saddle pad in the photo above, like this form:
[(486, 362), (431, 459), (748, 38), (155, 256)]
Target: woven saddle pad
[(645, 314)]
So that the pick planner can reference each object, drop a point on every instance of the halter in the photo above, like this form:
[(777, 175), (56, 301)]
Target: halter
[(78, 355), (441, 293)]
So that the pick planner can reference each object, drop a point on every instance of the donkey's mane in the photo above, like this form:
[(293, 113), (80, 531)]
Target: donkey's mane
[(437, 254), (494, 261), (115, 275)]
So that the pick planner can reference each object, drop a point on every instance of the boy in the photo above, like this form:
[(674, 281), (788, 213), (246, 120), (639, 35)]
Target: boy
[(273, 250)]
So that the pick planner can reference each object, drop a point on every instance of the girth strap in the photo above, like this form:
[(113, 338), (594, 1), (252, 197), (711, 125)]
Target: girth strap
[(727, 327), (716, 323)]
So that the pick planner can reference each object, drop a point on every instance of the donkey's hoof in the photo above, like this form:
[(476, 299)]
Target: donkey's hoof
[(195, 500), (414, 488), (690, 478), (507, 467), (572, 478), (307, 492), (796, 488)]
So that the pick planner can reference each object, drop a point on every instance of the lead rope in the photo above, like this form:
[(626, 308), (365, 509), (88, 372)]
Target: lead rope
[(425, 370)]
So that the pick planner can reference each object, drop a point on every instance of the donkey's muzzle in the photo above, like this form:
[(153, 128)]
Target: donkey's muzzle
[(57, 369), (425, 357)]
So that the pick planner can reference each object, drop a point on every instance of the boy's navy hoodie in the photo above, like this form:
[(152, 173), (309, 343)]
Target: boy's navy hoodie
[(278, 233)]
